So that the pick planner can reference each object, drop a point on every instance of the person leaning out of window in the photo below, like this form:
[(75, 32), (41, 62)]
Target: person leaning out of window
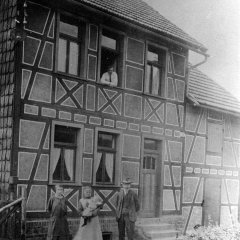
[(110, 77)]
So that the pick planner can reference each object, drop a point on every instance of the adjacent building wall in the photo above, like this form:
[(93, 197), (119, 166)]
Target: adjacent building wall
[(8, 11), (211, 168)]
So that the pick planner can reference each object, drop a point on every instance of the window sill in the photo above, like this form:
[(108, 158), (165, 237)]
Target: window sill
[(63, 74), (105, 186), (65, 184), (106, 85), (155, 96)]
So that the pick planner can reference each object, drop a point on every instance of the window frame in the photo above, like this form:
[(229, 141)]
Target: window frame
[(80, 41), (117, 161), (78, 153), (151, 152), (105, 151), (120, 52), (163, 81)]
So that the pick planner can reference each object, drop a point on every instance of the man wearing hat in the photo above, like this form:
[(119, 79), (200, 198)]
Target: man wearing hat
[(127, 206)]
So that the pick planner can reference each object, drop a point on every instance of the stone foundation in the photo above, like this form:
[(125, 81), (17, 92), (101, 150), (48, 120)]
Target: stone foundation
[(37, 229)]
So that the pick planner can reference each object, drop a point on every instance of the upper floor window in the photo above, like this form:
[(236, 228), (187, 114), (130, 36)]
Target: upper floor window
[(214, 137), (69, 46), (110, 58), (156, 69), (65, 154)]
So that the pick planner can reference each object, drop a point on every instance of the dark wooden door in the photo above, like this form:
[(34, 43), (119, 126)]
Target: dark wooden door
[(149, 188), (211, 205)]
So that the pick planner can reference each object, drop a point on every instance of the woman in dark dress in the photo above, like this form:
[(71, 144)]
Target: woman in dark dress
[(58, 225)]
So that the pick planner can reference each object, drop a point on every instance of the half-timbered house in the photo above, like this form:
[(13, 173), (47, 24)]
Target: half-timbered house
[(166, 125)]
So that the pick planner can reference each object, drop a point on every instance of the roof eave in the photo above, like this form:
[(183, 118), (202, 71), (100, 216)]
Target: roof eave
[(197, 103), (194, 47), (189, 45)]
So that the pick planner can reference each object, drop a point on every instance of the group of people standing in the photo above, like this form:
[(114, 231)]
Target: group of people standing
[(127, 206)]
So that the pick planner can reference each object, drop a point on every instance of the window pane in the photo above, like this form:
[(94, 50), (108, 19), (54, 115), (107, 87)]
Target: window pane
[(144, 162), (162, 57), (69, 29), (106, 140), (148, 163), (153, 163), (109, 42), (155, 80), (65, 134), (68, 174), (62, 55), (150, 144), (108, 57), (148, 79), (152, 56), (73, 58)]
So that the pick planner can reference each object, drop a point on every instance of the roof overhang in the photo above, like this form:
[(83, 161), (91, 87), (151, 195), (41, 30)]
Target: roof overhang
[(141, 26), (192, 99), (201, 49)]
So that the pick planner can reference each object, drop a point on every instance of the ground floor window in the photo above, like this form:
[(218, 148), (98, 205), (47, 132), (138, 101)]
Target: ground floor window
[(106, 160), (65, 153)]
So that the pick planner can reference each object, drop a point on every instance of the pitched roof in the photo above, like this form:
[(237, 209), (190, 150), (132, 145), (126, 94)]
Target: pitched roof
[(207, 92), (142, 14)]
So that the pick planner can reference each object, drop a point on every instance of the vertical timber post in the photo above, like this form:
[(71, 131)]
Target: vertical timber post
[(23, 213)]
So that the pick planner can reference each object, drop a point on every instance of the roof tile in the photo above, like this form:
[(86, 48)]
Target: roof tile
[(208, 92), (141, 13)]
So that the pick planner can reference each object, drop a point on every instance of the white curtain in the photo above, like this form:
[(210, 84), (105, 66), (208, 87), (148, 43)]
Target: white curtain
[(56, 155), (147, 80), (109, 165), (99, 156), (155, 81), (68, 158)]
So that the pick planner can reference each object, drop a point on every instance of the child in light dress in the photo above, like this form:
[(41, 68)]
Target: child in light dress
[(91, 206)]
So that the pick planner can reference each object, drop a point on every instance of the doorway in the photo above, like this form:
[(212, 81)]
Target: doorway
[(211, 205), (150, 178)]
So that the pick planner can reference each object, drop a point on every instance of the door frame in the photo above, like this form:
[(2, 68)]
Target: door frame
[(159, 172)]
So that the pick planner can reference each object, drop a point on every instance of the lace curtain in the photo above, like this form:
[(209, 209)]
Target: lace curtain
[(107, 167), (56, 157), (68, 158)]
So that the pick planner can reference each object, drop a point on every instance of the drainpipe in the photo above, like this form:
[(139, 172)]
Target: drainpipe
[(200, 63)]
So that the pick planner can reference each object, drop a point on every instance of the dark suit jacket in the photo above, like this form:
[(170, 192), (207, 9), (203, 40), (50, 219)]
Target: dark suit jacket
[(133, 205)]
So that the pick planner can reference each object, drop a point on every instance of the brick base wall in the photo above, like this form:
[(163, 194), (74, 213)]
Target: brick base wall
[(37, 229)]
